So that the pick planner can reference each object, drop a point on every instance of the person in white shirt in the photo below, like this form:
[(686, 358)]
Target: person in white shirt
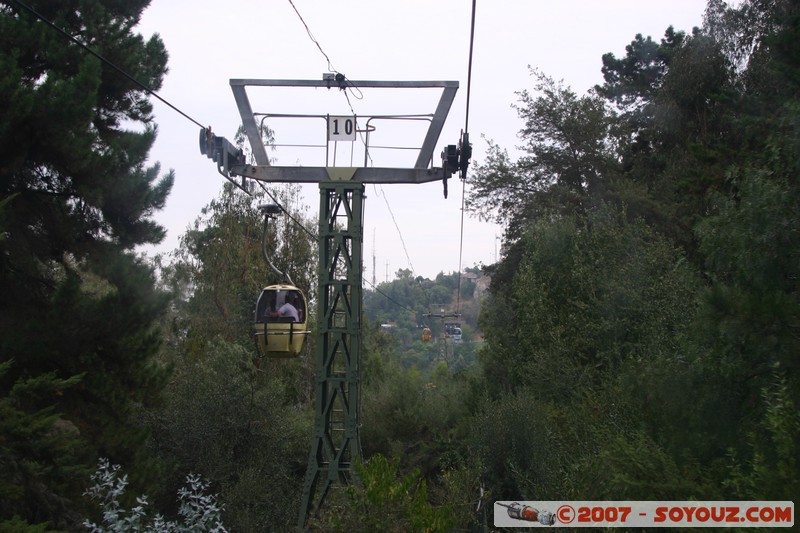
[(289, 310)]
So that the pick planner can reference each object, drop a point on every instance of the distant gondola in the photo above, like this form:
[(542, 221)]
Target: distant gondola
[(452, 330), (281, 321), (426, 334)]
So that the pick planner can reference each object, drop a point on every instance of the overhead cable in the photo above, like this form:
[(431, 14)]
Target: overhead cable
[(390, 298), (469, 65), (313, 39), (397, 227), (344, 83), (286, 212), (465, 140), (461, 248)]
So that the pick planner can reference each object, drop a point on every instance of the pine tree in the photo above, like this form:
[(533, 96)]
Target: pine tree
[(77, 198)]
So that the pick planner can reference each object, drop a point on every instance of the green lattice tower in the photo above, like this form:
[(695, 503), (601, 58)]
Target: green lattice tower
[(335, 443)]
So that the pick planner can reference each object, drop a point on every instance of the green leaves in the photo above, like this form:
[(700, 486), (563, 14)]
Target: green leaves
[(39, 449), (237, 425), (587, 296), (77, 199), (769, 467), (632, 82), (653, 318), (568, 155), (384, 500), (199, 511)]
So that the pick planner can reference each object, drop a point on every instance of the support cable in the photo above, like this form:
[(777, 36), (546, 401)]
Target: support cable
[(461, 247), (465, 142), (398, 304), (344, 83), (397, 227), (469, 67), (267, 216), (286, 212), (313, 39)]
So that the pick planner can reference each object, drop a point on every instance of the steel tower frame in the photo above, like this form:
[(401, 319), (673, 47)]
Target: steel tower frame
[(335, 443)]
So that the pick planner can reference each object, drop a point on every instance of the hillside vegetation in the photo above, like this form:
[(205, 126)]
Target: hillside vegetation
[(404, 307)]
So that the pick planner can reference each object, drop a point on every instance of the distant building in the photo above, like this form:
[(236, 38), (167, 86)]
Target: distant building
[(482, 287), (471, 276)]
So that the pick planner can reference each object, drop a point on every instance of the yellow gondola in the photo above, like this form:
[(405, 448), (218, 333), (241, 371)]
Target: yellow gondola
[(281, 321), (426, 334)]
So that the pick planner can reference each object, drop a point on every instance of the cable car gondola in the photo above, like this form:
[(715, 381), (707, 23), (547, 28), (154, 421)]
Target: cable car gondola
[(426, 334), (281, 317), (281, 321), (452, 330)]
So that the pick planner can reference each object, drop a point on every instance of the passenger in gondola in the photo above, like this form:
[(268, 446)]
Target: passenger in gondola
[(289, 309), (269, 307)]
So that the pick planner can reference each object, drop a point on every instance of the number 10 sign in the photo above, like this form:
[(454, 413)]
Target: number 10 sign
[(342, 128)]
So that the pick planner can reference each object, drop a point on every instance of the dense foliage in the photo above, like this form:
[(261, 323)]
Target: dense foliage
[(638, 341), (79, 311), (650, 281), (407, 305), (241, 422), (199, 512)]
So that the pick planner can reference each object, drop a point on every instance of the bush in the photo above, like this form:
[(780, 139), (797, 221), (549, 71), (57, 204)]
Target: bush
[(198, 511)]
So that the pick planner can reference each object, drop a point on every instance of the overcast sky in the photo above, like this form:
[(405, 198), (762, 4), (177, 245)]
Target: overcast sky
[(210, 42)]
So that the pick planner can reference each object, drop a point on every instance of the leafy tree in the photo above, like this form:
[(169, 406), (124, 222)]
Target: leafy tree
[(751, 250), (668, 307), (633, 81), (748, 242), (198, 511), (410, 416), (239, 427), (74, 141), (769, 468), (583, 347), (568, 154), (674, 99), (237, 420), (586, 296), (38, 446), (219, 269)]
